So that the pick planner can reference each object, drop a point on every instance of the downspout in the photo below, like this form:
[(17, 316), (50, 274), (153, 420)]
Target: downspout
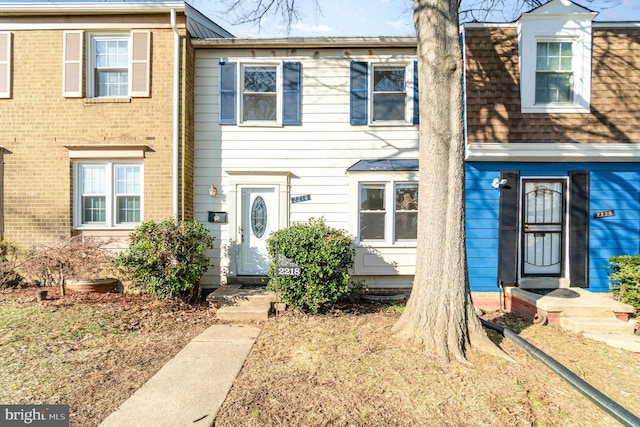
[(622, 415), (176, 106)]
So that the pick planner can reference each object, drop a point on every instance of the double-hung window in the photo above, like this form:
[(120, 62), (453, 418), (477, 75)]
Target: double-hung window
[(110, 57), (106, 65), (388, 211), (383, 94), (554, 72), (263, 94), (108, 194), (389, 93), (260, 93)]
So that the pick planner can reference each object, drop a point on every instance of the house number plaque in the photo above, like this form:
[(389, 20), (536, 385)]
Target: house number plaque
[(604, 214)]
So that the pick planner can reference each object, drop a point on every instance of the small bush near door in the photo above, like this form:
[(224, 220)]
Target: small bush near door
[(625, 279), (324, 255), (167, 259)]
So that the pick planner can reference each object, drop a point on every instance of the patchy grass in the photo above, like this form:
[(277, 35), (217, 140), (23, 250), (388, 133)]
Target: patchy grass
[(346, 369), (88, 351), (340, 369)]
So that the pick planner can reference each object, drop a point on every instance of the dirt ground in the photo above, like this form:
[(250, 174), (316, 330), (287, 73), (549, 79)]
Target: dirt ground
[(346, 369), (343, 368), (90, 351)]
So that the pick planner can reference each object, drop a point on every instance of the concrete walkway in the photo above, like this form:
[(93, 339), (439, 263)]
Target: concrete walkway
[(190, 388)]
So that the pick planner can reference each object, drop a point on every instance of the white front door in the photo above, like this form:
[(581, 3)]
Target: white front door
[(258, 219)]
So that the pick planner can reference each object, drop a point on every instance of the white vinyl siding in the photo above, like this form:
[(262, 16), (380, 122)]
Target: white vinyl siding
[(315, 154)]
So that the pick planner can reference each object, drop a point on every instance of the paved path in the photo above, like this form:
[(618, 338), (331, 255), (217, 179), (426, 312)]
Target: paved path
[(190, 388)]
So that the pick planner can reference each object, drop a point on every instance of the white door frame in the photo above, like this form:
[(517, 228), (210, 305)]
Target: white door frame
[(243, 178)]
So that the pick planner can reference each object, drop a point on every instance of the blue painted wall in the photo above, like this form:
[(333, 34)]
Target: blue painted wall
[(612, 186)]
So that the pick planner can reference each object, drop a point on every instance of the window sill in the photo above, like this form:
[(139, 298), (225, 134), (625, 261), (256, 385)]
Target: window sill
[(557, 108), (394, 123), (258, 124), (94, 101), (384, 244)]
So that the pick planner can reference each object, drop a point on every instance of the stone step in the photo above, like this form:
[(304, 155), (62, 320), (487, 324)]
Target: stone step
[(597, 325), (247, 314), (625, 342), (236, 296)]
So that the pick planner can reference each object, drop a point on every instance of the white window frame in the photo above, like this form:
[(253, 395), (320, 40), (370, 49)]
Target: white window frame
[(278, 94), (389, 205), (409, 84), (110, 194), (91, 89), (562, 30)]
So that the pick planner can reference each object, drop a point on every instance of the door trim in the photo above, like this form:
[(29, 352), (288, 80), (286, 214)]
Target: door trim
[(243, 178)]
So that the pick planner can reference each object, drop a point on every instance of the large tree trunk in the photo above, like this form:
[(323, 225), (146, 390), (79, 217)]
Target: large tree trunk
[(440, 314)]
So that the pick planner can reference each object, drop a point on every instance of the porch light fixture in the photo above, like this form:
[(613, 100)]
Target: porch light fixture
[(497, 182), (213, 191)]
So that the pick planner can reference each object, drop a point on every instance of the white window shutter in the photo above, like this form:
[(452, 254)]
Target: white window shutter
[(5, 65), (72, 64), (140, 64)]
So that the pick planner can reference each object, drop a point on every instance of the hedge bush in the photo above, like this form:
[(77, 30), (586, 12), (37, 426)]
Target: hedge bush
[(324, 254), (167, 258), (624, 279)]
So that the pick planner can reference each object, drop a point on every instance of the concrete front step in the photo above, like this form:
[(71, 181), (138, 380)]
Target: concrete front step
[(597, 325), (247, 314)]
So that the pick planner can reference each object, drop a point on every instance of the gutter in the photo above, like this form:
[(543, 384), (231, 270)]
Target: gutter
[(176, 105)]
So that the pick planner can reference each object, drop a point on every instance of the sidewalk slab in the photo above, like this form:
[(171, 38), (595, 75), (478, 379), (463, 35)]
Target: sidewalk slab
[(191, 387)]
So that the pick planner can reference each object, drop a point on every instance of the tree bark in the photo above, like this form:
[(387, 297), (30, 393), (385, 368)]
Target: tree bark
[(440, 314)]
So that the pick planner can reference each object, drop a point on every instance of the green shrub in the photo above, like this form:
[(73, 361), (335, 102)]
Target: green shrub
[(9, 255), (624, 278), (167, 258), (324, 255)]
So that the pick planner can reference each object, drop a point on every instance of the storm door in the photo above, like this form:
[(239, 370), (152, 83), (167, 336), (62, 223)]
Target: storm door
[(542, 233)]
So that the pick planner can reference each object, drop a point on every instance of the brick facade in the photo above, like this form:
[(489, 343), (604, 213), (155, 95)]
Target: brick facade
[(493, 91), (38, 122)]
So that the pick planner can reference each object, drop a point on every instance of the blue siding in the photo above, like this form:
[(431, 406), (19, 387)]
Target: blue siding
[(613, 186)]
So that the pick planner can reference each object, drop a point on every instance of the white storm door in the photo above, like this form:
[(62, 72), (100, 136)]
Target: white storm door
[(259, 218), (543, 228)]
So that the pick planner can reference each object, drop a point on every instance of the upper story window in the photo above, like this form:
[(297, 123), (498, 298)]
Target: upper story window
[(110, 66), (389, 93), (383, 94), (555, 58), (554, 72), (108, 194), (260, 94), (117, 65)]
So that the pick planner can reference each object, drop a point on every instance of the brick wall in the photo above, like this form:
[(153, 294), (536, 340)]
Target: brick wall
[(38, 122), (493, 91)]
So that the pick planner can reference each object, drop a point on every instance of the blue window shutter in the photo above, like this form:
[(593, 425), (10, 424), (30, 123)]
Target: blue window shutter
[(228, 93), (359, 93), (291, 93), (416, 103)]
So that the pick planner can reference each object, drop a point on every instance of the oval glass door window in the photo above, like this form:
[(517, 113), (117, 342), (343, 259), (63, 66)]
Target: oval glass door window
[(258, 217)]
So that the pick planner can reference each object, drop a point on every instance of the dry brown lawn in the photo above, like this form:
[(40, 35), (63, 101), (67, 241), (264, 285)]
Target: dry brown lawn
[(346, 369), (343, 368)]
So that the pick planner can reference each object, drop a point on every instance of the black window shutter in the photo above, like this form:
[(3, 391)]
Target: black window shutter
[(359, 93), (291, 90), (579, 228), (416, 104), (228, 93), (508, 232)]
